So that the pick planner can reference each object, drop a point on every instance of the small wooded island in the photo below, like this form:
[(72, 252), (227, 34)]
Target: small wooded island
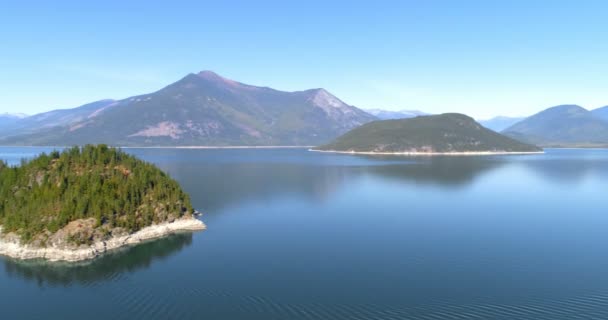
[(83, 202), (448, 134)]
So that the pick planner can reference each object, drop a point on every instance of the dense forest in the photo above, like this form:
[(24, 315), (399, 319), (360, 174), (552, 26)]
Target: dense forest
[(118, 190)]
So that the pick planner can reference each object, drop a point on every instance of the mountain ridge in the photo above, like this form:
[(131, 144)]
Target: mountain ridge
[(562, 126), (205, 109), (601, 113)]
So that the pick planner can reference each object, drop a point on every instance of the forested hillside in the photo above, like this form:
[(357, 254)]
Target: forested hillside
[(43, 195)]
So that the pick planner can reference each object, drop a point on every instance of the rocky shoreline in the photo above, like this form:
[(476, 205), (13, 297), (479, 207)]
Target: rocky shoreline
[(12, 247)]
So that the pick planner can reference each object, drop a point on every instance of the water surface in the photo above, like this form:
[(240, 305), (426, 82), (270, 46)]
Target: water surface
[(294, 234)]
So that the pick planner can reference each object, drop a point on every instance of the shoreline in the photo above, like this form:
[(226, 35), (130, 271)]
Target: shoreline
[(221, 147), (175, 147), (428, 154), (310, 148), (15, 250)]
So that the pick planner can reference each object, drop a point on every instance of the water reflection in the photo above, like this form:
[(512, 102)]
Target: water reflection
[(442, 171), (110, 267), (567, 170), (238, 183), (241, 182)]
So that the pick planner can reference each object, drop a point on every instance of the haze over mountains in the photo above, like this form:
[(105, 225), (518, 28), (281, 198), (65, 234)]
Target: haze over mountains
[(200, 109), (601, 113), (7, 119), (55, 118), (563, 126)]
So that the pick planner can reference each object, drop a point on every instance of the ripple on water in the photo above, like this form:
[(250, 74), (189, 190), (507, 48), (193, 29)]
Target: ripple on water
[(194, 303)]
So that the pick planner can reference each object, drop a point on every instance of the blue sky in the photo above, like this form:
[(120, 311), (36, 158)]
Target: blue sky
[(482, 58)]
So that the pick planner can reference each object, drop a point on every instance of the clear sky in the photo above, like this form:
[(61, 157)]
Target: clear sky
[(483, 58)]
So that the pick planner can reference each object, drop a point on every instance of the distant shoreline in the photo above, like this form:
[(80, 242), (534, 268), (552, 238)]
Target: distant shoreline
[(14, 249), (177, 147), (578, 148), (221, 147), (310, 148), (463, 153)]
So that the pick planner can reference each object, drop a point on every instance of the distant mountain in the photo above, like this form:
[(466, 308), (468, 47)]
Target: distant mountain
[(8, 119), (202, 109), (55, 118), (450, 132), (601, 113), (562, 126), (500, 123), (401, 114), (13, 115)]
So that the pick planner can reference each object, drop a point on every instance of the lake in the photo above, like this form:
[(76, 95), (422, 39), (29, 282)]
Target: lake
[(294, 234)]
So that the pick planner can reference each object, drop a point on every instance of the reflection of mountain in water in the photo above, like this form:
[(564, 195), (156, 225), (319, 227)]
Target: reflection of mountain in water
[(568, 170), (214, 186), (111, 266), (446, 171), (217, 179)]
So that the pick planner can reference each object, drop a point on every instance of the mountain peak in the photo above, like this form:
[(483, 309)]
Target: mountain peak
[(216, 78), (324, 99), (202, 108), (208, 74), (570, 108)]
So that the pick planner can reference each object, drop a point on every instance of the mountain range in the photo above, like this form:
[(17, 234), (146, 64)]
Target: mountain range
[(563, 126), (55, 118), (205, 109), (202, 109)]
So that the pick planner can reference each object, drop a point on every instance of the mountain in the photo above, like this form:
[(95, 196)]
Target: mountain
[(444, 133), (207, 109), (562, 126), (500, 123), (401, 114), (8, 119), (601, 113), (55, 118)]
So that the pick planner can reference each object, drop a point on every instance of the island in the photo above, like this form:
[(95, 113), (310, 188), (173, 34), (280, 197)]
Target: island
[(444, 134), (85, 201)]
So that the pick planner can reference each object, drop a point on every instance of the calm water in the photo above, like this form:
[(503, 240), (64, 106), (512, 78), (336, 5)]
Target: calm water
[(301, 235)]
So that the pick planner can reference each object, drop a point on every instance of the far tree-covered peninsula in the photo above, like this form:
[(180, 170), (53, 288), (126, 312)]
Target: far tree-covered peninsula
[(449, 133)]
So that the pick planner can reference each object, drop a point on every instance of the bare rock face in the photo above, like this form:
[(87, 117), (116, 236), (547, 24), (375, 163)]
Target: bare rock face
[(61, 246)]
